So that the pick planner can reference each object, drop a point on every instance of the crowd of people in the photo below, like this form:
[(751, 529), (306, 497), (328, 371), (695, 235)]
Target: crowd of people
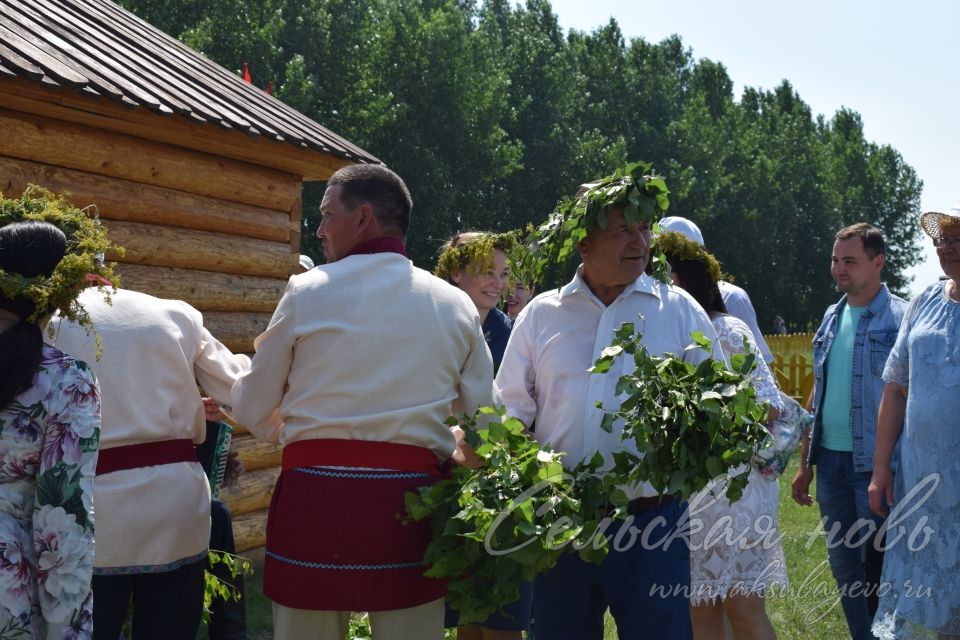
[(365, 359)]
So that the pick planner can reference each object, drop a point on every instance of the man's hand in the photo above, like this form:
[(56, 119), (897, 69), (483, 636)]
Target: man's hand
[(464, 454), (801, 486), (880, 492), (211, 408)]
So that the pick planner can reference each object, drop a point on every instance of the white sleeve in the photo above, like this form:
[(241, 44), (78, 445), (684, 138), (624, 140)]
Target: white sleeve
[(258, 392), (738, 305), (516, 378), (476, 378), (216, 368)]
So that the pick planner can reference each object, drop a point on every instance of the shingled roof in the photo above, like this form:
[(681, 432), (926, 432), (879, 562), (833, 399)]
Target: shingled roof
[(102, 50)]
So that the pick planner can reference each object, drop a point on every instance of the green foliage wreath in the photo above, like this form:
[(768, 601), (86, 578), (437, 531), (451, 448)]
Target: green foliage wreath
[(636, 189), (474, 255), (676, 246), (86, 245)]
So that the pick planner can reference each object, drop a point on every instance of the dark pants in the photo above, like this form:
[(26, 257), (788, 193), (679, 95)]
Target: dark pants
[(228, 619), (165, 605), (645, 586)]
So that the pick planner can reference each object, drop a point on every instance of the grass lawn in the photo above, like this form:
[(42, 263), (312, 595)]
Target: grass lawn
[(809, 608)]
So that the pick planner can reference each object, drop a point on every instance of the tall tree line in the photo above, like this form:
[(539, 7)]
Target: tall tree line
[(492, 112)]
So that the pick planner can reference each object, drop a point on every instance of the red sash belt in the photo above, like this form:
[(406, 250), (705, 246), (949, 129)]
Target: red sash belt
[(360, 453), (146, 454)]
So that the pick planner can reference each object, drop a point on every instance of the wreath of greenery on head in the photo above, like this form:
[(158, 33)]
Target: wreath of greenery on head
[(676, 246), (472, 252), (635, 188), (86, 245)]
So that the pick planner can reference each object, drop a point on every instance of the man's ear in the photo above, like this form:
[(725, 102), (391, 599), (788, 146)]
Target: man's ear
[(882, 260), (456, 277), (364, 217), (582, 247)]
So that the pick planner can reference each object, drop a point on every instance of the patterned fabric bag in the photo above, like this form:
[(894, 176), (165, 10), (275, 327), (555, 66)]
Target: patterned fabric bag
[(785, 435)]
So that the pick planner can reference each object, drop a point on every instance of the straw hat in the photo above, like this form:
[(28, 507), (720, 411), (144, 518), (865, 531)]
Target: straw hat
[(932, 221)]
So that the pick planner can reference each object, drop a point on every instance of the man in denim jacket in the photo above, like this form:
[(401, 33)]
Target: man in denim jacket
[(849, 352)]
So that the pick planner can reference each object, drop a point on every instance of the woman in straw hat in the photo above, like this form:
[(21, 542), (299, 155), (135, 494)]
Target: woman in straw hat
[(920, 594)]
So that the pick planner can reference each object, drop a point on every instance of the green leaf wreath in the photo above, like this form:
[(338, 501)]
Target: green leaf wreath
[(641, 193)]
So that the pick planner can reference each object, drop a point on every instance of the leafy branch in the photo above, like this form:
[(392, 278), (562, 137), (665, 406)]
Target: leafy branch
[(507, 521), (510, 519), (215, 588), (691, 421)]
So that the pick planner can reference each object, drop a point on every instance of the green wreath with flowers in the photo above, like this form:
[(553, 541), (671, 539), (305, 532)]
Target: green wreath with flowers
[(87, 243)]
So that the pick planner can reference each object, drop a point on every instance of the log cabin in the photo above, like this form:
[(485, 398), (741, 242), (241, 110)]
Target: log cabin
[(196, 173)]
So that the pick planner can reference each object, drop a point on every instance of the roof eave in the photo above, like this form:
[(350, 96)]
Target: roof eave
[(66, 104)]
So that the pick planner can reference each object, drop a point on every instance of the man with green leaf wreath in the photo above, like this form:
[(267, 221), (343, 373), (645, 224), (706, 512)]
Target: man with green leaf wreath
[(544, 376)]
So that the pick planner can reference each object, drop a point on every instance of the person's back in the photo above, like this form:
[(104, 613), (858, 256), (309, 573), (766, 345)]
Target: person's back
[(49, 430), (149, 348), (152, 497), (355, 375), (367, 322)]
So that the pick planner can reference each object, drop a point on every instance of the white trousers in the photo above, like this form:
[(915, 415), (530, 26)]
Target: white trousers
[(423, 622)]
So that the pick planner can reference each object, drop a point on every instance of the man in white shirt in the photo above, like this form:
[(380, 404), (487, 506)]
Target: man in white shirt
[(544, 377), (735, 299), (362, 361)]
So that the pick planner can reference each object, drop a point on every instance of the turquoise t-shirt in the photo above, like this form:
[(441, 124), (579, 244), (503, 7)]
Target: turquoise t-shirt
[(835, 419)]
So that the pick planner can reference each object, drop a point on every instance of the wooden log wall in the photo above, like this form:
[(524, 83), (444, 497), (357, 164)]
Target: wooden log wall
[(219, 233)]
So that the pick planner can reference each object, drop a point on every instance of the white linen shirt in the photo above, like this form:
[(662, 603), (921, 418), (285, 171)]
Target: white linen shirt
[(155, 352), (366, 348), (558, 337)]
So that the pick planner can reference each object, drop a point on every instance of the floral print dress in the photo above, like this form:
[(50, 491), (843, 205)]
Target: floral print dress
[(48, 456)]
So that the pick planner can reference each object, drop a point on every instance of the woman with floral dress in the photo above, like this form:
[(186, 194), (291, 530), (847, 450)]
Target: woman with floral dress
[(49, 429), (735, 554)]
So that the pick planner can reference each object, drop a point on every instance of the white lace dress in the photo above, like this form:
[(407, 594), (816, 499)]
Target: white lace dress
[(920, 588), (735, 549)]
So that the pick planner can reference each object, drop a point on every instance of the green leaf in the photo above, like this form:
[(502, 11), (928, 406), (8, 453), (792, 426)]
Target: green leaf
[(714, 466), (606, 423)]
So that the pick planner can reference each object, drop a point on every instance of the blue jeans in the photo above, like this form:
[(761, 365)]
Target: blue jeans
[(854, 558), (646, 589)]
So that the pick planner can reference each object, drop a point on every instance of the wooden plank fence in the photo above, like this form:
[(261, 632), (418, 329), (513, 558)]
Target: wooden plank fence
[(793, 363)]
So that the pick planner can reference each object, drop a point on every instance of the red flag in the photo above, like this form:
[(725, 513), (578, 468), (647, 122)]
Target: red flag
[(246, 73)]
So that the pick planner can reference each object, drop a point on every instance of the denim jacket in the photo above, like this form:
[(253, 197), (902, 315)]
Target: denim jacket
[(876, 333)]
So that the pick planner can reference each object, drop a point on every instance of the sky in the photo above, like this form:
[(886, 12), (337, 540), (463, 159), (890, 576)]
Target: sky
[(894, 63)]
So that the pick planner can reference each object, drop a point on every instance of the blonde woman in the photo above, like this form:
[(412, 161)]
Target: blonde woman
[(477, 263)]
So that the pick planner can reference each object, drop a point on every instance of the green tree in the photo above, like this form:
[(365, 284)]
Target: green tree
[(492, 113)]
